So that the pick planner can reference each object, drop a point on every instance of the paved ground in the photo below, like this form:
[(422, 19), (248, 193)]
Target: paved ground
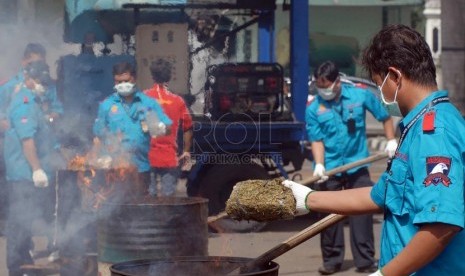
[(302, 260)]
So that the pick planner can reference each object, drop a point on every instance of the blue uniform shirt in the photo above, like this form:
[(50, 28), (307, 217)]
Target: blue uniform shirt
[(49, 98), (426, 185), (117, 119), (327, 121), (27, 120)]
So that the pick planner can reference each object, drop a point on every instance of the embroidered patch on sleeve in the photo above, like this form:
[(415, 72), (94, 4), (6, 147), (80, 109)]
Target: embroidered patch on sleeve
[(437, 169)]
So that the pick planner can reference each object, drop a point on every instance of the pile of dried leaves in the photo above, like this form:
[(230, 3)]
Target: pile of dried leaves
[(261, 200)]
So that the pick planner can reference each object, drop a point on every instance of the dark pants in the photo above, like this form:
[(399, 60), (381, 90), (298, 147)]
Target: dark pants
[(168, 181), (361, 226), (143, 184), (22, 211)]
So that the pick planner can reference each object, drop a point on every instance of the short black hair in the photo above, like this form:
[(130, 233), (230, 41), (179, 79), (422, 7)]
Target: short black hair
[(124, 67), (402, 47), (34, 48), (328, 70), (161, 70)]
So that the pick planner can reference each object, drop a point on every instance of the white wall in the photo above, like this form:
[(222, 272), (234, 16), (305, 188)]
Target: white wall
[(38, 21)]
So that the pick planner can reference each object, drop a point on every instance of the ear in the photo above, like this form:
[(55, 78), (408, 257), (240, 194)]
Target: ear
[(395, 74)]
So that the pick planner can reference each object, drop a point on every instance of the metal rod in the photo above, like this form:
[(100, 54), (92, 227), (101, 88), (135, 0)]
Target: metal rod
[(313, 179)]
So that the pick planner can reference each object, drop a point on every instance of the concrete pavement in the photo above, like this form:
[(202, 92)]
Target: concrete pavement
[(305, 259)]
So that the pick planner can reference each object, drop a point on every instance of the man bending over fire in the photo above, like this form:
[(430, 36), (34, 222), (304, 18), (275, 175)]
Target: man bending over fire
[(126, 121)]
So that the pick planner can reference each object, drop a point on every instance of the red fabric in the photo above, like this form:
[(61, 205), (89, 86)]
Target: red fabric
[(163, 150), (428, 121)]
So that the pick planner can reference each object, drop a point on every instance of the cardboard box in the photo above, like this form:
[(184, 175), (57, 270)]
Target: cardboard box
[(168, 41)]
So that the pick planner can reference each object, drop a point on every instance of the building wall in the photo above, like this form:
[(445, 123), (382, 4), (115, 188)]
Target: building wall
[(43, 21), (40, 21)]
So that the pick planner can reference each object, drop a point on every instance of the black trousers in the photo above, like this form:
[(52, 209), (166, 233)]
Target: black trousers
[(361, 226), (22, 210)]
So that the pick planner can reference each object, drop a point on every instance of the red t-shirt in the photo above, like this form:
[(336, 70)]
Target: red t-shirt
[(163, 150)]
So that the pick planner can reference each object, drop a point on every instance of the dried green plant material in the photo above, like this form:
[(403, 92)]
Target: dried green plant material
[(261, 200)]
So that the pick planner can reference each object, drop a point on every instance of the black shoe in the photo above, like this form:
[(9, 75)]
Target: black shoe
[(328, 270), (368, 269)]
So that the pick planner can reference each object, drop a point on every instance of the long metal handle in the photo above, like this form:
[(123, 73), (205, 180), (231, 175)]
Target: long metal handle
[(310, 180), (372, 158)]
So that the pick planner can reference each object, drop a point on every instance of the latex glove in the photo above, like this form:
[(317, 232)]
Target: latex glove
[(377, 273), (320, 171), (300, 194), (391, 147), (39, 178)]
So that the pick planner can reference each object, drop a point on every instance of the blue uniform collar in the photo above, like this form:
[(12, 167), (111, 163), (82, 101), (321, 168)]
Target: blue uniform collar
[(344, 91), (136, 97), (420, 106)]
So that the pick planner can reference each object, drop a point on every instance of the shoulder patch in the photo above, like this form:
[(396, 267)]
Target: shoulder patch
[(428, 121), (114, 109), (437, 170)]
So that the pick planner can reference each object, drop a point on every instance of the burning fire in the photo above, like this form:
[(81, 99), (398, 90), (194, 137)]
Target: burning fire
[(99, 184)]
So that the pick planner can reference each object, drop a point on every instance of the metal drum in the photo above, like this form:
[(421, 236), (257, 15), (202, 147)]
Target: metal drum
[(212, 265), (153, 228)]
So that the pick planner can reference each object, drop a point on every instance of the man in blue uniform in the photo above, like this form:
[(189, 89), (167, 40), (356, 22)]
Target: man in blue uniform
[(51, 106), (28, 152), (336, 127), (422, 191), (54, 108), (124, 122)]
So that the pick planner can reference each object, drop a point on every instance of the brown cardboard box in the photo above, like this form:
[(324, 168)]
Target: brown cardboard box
[(167, 41)]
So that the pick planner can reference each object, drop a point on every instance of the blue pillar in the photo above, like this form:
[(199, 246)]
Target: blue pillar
[(299, 57), (266, 37)]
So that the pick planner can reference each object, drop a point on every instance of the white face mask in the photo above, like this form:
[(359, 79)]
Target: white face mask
[(327, 93), (391, 107), (125, 89)]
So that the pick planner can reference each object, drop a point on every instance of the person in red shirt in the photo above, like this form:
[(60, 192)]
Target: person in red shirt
[(163, 153)]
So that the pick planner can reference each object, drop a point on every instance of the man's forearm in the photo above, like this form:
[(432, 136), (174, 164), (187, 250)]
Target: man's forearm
[(30, 152), (426, 245), (318, 151), (388, 126), (187, 140), (346, 202)]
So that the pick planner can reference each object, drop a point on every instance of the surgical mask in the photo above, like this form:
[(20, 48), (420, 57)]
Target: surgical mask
[(125, 89), (391, 107), (327, 93)]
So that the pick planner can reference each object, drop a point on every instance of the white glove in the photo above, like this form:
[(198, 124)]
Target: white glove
[(39, 178), (377, 273), (391, 147), (320, 171), (300, 194), (104, 162), (158, 129)]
